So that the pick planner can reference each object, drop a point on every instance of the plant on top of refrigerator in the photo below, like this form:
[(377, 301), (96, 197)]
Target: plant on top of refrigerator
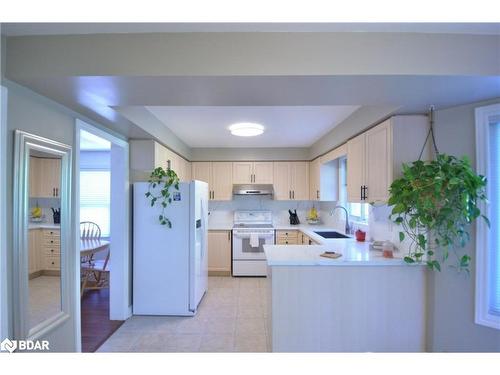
[(164, 180)]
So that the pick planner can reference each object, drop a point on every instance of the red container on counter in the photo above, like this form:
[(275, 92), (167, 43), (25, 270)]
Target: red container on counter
[(360, 235)]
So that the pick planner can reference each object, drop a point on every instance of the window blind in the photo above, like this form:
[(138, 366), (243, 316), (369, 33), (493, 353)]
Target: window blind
[(494, 192), (95, 198)]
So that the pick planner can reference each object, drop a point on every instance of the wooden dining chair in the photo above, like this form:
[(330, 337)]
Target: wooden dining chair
[(94, 272)]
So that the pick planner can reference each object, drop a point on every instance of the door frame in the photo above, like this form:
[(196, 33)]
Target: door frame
[(4, 313), (120, 260)]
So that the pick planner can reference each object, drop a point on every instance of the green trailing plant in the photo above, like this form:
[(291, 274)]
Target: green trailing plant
[(435, 202), (163, 180)]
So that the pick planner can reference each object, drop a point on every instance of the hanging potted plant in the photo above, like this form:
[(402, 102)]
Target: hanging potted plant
[(164, 180), (435, 203)]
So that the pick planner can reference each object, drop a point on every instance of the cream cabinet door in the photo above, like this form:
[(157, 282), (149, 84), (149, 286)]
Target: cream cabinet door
[(263, 172), (219, 251), (34, 177), (34, 251), (222, 181), (49, 178), (281, 177), (187, 170), (314, 178), (378, 171), (355, 168), (243, 172), (201, 171), (299, 178)]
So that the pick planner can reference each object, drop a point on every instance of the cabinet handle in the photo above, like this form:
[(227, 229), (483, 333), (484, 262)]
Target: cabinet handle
[(365, 196), (52, 263), (293, 194), (57, 192), (51, 241), (51, 250), (53, 192), (317, 194), (361, 193)]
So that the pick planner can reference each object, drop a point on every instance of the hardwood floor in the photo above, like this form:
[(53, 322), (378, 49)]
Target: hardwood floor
[(96, 325)]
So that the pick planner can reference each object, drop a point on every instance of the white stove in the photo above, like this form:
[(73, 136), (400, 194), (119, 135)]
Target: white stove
[(251, 231)]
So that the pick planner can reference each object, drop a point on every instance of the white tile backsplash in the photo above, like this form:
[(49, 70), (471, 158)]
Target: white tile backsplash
[(221, 212), (379, 226)]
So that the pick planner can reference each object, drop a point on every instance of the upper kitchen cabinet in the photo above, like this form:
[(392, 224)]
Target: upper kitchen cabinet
[(45, 177), (374, 158), (146, 155), (291, 180), (257, 172), (324, 175), (218, 175)]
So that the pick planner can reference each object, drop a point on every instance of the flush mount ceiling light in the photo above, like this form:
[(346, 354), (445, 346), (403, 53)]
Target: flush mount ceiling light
[(246, 129)]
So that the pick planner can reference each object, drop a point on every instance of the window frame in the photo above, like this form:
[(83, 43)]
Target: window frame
[(483, 117)]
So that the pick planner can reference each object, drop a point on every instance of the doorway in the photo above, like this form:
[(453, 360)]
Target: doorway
[(102, 199)]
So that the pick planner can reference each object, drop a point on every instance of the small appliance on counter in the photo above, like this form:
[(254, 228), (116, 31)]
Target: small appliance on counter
[(294, 218), (56, 215), (360, 235), (313, 216)]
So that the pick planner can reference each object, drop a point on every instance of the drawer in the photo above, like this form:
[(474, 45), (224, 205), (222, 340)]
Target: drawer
[(52, 251), (51, 242), (286, 241), (52, 263), (52, 232), (286, 233)]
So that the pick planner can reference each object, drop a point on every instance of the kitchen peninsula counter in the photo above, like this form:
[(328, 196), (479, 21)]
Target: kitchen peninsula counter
[(360, 302)]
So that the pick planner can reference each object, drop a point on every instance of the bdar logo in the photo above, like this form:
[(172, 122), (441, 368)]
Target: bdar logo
[(8, 345)]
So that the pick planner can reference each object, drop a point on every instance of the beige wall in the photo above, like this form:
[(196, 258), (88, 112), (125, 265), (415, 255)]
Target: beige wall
[(451, 295)]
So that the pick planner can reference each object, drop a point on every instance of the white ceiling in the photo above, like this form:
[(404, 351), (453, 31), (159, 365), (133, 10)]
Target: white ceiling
[(285, 126), (20, 29)]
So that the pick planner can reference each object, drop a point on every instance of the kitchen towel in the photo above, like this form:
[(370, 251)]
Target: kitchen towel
[(254, 240)]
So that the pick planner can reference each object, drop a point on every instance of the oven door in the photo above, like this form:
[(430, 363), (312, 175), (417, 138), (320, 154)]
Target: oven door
[(242, 249)]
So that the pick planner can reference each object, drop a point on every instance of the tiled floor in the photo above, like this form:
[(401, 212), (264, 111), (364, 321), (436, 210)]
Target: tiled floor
[(44, 298), (231, 318)]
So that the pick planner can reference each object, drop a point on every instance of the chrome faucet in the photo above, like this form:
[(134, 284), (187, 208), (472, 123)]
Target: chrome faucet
[(347, 226)]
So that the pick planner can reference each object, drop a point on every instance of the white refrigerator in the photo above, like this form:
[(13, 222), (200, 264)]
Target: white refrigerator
[(170, 265)]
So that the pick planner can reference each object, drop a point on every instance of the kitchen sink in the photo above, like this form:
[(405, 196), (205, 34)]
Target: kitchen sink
[(331, 234)]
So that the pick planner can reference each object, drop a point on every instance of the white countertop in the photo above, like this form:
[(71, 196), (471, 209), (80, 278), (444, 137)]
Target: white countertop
[(44, 226), (354, 253)]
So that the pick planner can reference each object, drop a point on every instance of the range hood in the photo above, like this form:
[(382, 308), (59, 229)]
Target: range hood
[(253, 189)]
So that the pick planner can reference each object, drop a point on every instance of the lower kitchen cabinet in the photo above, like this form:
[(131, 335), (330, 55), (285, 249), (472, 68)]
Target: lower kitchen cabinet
[(293, 237), (44, 252), (219, 252), (287, 237)]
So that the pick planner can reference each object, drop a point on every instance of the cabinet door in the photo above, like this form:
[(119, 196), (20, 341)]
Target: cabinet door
[(201, 171), (299, 173), (49, 178), (187, 170), (242, 172), (263, 172), (355, 168), (33, 251), (34, 177), (222, 181), (314, 178), (281, 177), (219, 251), (378, 162)]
